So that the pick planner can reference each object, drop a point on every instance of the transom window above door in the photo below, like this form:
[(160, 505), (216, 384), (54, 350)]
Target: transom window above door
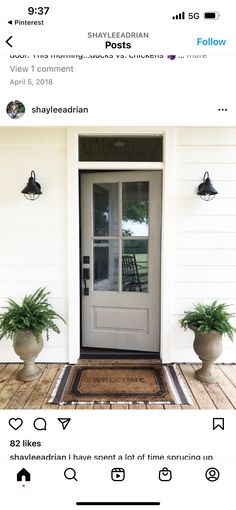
[(121, 148)]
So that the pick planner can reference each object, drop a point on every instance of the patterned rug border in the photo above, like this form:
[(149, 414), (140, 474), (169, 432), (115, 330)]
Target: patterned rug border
[(173, 375)]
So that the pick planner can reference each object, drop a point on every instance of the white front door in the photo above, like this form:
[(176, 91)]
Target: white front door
[(121, 241)]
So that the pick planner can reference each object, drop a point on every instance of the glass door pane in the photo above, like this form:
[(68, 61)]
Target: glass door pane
[(105, 209), (105, 226), (135, 208), (106, 263), (135, 265)]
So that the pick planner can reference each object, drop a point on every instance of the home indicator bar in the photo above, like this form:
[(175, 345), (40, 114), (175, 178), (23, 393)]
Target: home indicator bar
[(115, 503)]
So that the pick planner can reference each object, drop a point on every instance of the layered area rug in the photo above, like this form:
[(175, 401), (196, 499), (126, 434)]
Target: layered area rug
[(125, 384)]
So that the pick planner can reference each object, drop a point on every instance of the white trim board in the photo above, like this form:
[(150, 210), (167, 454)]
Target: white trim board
[(73, 226)]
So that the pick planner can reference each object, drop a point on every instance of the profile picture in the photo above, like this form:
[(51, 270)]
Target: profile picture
[(15, 109)]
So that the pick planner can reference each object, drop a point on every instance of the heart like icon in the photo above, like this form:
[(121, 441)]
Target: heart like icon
[(15, 423)]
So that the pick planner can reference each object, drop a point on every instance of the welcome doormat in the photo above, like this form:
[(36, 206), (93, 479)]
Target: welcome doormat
[(126, 384)]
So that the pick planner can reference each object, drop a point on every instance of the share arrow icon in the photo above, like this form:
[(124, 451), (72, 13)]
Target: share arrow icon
[(64, 421)]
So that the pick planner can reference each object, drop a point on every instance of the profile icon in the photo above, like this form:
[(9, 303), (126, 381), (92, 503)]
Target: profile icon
[(212, 474), (15, 109)]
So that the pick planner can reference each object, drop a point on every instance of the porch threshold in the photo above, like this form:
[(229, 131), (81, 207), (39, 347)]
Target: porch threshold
[(117, 354)]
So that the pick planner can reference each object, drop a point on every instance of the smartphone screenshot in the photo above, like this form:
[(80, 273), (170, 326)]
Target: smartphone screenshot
[(117, 254)]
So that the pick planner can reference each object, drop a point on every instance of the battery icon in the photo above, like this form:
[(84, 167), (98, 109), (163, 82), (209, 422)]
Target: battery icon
[(211, 15)]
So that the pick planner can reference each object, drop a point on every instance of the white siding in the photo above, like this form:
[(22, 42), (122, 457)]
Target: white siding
[(33, 234), (204, 255)]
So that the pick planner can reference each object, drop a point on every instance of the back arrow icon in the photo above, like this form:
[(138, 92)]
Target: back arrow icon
[(7, 41)]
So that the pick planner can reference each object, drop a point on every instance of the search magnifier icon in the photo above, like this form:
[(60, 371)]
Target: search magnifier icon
[(70, 474)]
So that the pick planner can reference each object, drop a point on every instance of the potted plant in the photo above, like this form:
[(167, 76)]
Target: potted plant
[(209, 323), (24, 324)]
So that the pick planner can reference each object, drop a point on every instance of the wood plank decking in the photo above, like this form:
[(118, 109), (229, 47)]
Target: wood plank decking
[(15, 394)]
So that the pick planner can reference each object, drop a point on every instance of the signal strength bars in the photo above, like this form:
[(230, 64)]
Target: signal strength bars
[(181, 15)]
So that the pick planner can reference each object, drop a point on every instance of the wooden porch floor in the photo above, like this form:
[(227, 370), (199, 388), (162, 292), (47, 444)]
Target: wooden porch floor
[(15, 394)]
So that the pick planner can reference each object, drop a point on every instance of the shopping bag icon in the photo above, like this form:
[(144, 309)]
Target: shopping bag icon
[(165, 475)]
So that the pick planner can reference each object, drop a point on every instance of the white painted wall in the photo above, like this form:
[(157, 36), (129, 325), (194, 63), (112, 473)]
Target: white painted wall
[(204, 255), (33, 234), (199, 238)]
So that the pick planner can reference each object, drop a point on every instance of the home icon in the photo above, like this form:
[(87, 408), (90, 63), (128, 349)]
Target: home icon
[(23, 474)]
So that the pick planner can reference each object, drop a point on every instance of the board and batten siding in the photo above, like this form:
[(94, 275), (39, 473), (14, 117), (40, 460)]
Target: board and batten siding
[(33, 234), (204, 255)]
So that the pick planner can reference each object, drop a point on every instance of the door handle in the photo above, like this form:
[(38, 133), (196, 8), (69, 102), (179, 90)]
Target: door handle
[(86, 276), (86, 273)]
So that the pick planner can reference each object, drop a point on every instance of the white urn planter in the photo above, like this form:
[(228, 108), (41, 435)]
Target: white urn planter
[(208, 347), (26, 346)]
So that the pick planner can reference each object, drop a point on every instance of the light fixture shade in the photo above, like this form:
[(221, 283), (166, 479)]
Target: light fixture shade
[(32, 189), (206, 190)]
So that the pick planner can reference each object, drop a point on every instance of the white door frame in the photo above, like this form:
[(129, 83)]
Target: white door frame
[(73, 253)]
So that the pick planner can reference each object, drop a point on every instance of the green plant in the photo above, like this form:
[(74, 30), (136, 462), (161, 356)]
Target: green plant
[(35, 314), (209, 317)]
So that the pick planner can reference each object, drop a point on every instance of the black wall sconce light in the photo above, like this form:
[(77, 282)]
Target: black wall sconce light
[(32, 189), (205, 189)]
